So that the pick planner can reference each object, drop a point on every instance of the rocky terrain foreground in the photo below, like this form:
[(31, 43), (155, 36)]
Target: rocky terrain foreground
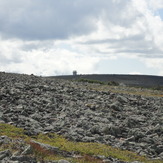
[(82, 112)]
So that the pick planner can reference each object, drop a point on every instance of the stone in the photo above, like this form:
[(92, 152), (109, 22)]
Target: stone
[(159, 149), (1, 114), (5, 140), (46, 146), (161, 155), (116, 106), (4, 154), (63, 161), (27, 150), (122, 99), (88, 139), (95, 129), (112, 130), (24, 159)]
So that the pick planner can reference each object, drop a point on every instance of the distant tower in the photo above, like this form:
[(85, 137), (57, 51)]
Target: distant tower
[(74, 72)]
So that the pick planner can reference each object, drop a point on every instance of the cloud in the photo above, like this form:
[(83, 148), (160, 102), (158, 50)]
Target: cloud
[(55, 37), (141, 37), (135, 73), (155, 4), (43, 60), (9, 52), (156, 63), (51, 19)]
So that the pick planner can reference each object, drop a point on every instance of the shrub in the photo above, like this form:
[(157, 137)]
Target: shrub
[(90, 81), (113, 83), (159, 88)]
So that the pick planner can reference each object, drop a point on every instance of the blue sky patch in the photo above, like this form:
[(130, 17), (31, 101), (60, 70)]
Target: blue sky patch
[(160, 13)]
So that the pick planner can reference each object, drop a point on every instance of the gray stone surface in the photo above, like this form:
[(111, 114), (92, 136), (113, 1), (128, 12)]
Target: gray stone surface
[(63, 161), (70, 108), (4, 154)]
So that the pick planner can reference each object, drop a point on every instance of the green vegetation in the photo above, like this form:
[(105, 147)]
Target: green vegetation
[(90, 149), (160, 88), (113, 83), (11, 131), (153, 92), (86, 151), (90, 81), (112, 86)]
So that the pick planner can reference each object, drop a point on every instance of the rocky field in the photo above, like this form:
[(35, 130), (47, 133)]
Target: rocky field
[(84, 112)]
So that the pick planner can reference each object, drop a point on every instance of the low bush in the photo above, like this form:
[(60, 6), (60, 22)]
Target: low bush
[(159, 88), (90, 81), (113, 83)]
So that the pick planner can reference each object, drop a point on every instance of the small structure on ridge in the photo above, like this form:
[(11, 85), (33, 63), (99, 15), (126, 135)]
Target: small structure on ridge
[(74, 72)]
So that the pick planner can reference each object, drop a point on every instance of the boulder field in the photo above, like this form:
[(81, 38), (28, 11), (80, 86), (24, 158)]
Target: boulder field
[(71, 109)]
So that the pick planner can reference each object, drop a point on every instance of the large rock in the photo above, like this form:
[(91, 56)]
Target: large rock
[(4, 154)]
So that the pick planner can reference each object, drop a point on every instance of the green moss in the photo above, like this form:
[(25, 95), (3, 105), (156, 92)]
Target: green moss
[(92, 148), (11, 131), (86, 150)]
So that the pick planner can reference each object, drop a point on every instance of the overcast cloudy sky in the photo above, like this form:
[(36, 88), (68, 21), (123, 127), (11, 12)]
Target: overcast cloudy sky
[(55, 37)]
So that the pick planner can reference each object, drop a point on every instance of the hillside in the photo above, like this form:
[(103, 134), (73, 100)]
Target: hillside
[(129, 80), (47, 119)]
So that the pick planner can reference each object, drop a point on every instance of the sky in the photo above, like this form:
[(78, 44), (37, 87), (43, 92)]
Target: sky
[(55, 37)]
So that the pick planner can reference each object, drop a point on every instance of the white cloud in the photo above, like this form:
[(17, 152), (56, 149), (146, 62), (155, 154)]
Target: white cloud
[(135, 73), (155, 4), (44, 61), (78, 34), (156, 63)]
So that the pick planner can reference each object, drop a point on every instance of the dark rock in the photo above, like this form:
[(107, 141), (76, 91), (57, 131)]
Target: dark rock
[(5, 140), (116, 106), (159, 149), (95, 129), (46, 146), (88, 139), (24, 159), (122, 99), (4, 154), (112, 130)]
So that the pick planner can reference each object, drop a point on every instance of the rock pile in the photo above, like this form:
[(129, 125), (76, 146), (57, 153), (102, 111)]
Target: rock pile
[(69, 108), (24, 151)]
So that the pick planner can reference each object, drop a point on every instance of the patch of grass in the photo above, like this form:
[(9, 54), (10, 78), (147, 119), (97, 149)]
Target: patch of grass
[(128, 90), (92, 149), (90, 81), (15, 145), (86, 150), (43, 154), (160, 88), (11, 131), (39, 152)]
